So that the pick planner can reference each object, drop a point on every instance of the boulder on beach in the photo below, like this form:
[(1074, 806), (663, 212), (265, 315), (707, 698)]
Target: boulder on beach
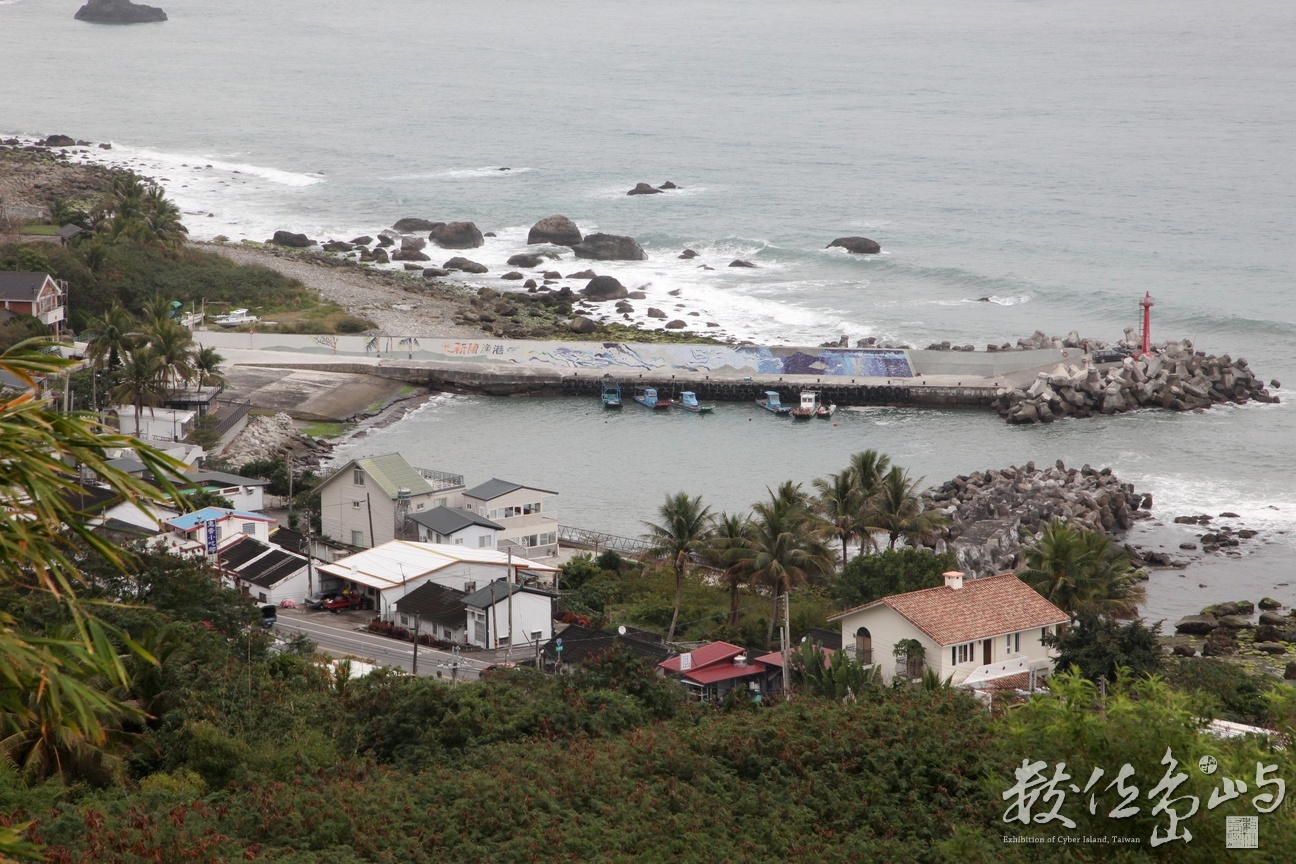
[(741, 263), (637, 295), (514, 276), (556, 229), (602, 288), (644, 189), (526, 259), (654, 312), (1196, 625), (288, 238), (435, 272), (688, 253), (119, 12), (457, 235), (581, 274), (581, 324), (413, 243), (385, 240), (857, 245), (609, 247), (337, 246), (465, 265), (362, 240), (379, 256), (410, 255), (410, 223), (677, 324), (60, 141), (669, 185)]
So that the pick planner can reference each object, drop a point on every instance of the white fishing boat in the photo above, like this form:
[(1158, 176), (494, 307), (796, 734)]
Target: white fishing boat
[(234, 318)]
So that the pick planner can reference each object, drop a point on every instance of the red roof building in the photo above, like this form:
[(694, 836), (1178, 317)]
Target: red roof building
[(712, 671)]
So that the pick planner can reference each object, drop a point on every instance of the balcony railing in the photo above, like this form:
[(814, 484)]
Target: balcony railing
[(441, 479)]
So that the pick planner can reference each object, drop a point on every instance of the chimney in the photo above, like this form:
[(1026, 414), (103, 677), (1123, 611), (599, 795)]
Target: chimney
[(953, 579)]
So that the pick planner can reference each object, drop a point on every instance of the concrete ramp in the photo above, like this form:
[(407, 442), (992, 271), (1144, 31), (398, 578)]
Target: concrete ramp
[(311, 395)]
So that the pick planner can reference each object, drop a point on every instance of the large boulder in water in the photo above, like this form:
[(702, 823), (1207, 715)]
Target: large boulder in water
[(288, 238), (457, 235), (609, 247), (556, 229), (60, 141), (857, 245), (602, 288), (465, 265), (119, 12), (524, 259), (644, 189), (411, 223)]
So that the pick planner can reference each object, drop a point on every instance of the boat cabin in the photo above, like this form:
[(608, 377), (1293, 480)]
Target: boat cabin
[(809, 400)]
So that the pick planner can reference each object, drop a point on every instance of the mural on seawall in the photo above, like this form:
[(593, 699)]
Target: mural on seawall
[(619, 356)]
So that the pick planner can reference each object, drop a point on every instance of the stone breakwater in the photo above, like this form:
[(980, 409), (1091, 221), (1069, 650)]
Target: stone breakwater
[(1174, 376), (992, 514), (274, 438)]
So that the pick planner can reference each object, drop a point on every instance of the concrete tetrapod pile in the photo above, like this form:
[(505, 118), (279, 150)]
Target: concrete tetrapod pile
[(1174, 376), (992, 514)]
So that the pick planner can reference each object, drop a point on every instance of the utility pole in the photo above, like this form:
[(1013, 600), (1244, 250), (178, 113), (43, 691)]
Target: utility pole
[(369, 507), (417, 621), (787, 636), (508, 652), (289, 460)]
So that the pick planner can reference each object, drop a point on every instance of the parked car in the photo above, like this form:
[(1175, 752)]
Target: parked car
[(269, 616), (316, 600), (338, 602), (1109, 355)]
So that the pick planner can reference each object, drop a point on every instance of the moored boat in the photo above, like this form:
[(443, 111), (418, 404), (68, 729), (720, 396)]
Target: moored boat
[(823, 412), (611, 395), (808, 407), (648, 398), (772, 403), (688, 401)]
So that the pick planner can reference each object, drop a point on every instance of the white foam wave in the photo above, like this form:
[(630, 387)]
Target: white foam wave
[(464, 173), (1184, 495)]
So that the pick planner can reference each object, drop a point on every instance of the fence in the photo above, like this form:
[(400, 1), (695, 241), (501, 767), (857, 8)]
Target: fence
[(236, 412), (599, 541)]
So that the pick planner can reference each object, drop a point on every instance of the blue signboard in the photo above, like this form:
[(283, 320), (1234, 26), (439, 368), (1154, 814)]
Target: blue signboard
[(211, 537)]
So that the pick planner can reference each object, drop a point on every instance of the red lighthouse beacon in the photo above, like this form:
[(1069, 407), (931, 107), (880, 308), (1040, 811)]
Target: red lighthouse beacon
[(1146, 305)]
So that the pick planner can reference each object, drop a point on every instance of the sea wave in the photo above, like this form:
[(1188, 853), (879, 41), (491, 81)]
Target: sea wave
[(464, 173)]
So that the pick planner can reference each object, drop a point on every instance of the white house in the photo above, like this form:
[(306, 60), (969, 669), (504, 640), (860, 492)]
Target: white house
[(367, 501), (973, 631), (187, 533), (265, 572), (529, 515), (243, 493), (456, 527), (389, 572), (161, 424), (501, 614)]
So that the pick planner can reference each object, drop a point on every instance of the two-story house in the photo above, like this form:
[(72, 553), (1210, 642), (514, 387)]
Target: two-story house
[(191, 533), (528, 515), (35, 294), (368, 501), (972, 631), (456, 527)]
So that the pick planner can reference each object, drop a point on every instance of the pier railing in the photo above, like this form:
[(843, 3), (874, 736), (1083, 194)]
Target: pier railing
[(600, 541)]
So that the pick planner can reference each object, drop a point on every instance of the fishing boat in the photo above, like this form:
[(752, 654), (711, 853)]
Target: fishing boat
[(647, 397), (772, 404), (809, 406), (611, 395), (823, 412), (688, 401), (234, 318)]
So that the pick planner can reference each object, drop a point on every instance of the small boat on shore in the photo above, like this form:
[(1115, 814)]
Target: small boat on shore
[(688, 401), (772, 403), (809, 406), (648, 398), (234, 318), (611, 395)]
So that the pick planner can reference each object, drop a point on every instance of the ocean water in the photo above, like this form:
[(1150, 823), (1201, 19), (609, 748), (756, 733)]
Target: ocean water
[(1057, 159)]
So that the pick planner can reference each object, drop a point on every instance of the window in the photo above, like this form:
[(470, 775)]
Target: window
[(1044, 631), (441, 502), (458, 541), (261, 596), (404, 620), (357, 476), (484, 541), (1012, 643), (962, 653), (447, 633), (355, 505), (357, 538), (536, 635), (419, 506), (249, 527)]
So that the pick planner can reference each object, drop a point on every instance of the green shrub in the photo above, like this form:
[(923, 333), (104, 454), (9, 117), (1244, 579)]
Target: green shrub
[(352, 324)]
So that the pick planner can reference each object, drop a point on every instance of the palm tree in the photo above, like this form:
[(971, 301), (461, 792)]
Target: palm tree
[(207, 364), (108, 337), (897, 510), (162, 218), (682, 532), (74, 674), (1082, 572), (838, 505), (730, 535), (867, 468), (784, 549), (173, 344), (141, 382)]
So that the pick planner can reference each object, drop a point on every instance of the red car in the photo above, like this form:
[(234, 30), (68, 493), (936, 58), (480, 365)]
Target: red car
[(345, 601)]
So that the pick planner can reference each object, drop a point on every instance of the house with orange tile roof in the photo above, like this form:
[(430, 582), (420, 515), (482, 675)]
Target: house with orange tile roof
[(976, 632)]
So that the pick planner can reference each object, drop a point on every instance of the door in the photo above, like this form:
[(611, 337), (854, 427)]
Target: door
[(986, 651)]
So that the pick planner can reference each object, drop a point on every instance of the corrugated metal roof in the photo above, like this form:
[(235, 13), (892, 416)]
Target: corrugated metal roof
[(448, 520), (498, 592), (392, 473), (495, 487), (398, 561)]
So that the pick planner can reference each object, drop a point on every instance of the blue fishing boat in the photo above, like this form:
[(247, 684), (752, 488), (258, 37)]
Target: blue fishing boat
[(647, 397), (772, 404), (688, 401), (611, 395)]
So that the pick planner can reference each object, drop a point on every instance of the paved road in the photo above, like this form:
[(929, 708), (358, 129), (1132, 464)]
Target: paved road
[(337, 636)]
